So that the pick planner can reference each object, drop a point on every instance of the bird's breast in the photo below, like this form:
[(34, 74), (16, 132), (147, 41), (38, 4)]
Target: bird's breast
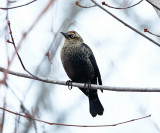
[(77, 64)]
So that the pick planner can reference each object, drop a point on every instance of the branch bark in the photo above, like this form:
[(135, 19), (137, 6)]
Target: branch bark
[(82, 85), (70, 125), (2, 8)]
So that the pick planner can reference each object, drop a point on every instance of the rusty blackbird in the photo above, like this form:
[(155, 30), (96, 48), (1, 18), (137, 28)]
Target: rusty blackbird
[(80, 65)]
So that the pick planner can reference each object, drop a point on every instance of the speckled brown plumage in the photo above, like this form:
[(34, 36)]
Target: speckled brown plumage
[(80, 65)]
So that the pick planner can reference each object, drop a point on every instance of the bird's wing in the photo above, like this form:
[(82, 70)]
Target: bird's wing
[(94, 63)]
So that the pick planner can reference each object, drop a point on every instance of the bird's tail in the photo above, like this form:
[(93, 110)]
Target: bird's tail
[(95, 106)]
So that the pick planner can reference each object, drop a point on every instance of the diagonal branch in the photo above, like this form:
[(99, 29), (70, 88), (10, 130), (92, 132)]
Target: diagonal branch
[(12, 42), (127, 25), (82, 85), (153, 5), (32, 26), (3, 81)]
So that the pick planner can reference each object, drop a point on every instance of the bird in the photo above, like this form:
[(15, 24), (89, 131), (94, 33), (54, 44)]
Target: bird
[(80, 65)]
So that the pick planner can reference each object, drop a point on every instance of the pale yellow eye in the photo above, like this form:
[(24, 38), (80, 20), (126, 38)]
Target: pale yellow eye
[(72, 36)]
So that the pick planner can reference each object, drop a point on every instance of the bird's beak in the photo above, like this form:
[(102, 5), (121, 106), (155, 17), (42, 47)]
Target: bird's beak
[(65, 35)]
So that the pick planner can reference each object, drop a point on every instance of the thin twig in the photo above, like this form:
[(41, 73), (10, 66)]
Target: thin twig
[(3, 81), (81, 85), (60, 124), (23, 110), (103, 3), (130, 27), (77, 3), (9, 25), (31, 27), (153, 5), (12, 42), (146, 30), (17, 6)]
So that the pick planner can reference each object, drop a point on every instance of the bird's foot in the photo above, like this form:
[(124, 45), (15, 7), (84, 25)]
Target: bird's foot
[(87, 86), (69, 83)]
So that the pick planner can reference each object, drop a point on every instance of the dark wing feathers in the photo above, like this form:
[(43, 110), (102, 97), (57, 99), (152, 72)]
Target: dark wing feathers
[(94, 63)]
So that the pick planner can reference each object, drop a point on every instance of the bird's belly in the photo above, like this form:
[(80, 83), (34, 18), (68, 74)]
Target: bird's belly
[(78, 68)]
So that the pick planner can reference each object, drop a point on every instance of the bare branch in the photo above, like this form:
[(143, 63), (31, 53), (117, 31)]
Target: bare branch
[(32, 26), (82, 85), (103, 3), (12, 42), (3, 81), (146, 30), (158, 44), (17, 6), (77, 3), (60, 124), (153, 5)]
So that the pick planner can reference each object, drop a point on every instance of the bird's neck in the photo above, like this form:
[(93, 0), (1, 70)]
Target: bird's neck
[(73, 44)]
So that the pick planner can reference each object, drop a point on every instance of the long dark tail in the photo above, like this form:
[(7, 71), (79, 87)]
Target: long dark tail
[(95, 106)]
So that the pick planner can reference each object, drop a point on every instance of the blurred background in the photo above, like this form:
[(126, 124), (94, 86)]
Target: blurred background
[(125, 59)]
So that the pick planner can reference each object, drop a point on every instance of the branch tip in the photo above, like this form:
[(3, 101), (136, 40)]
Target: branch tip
[(145, 30), (76, 2), (103, 3), (8, 41), (47, 54)]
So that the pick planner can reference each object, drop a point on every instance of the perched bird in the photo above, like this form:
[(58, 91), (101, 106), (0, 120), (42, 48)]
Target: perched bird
[(80, 65)]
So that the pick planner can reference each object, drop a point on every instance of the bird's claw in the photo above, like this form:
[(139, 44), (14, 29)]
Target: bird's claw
[(69, 83), (87, 86)]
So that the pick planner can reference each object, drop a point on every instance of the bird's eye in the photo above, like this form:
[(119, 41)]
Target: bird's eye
[(72, 36)]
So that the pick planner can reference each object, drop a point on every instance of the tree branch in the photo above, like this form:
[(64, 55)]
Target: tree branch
[(82, 85), (77, 3), (32, 26), (153, 5), (60, 124), (104, 3), (17, 6), (146, 30), (12, 42), (130, 27)]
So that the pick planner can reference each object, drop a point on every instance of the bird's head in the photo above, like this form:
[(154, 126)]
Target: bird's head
[(72, 37)]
